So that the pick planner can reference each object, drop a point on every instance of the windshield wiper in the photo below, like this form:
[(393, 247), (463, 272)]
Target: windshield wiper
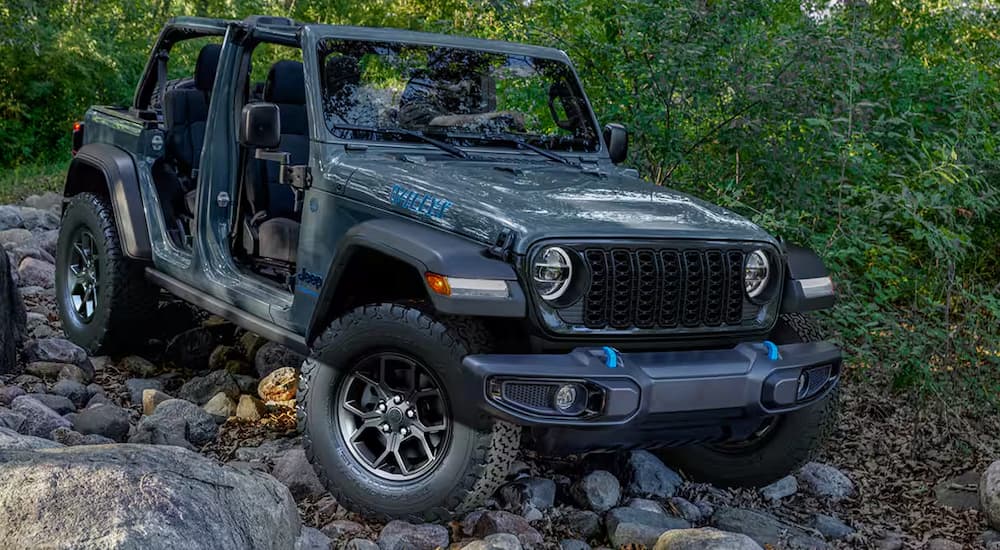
[(521, 143), (444, 146)]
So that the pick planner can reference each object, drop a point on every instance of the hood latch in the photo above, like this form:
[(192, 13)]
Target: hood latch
[(503, 245)]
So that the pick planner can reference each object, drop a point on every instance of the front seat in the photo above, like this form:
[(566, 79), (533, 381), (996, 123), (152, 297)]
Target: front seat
[(185, 113), (275, 219)]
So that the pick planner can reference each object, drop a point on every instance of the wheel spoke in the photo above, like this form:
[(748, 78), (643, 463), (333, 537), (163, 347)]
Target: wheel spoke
[(422, 437), (352, 408), (373, 384)]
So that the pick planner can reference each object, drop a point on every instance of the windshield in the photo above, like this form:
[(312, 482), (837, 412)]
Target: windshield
[(371, 90)]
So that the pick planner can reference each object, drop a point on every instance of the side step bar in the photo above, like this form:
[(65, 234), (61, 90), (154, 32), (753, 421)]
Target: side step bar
[(267, 329)]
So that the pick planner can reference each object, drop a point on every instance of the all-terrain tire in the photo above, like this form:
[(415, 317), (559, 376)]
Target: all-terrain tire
[(12, 313), (125, 300), (793, 440), (480, 451)]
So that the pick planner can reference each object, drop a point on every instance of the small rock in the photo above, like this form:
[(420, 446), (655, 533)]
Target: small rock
[(891, 541), (943, 544), (581, 523), (764, 529), (9, 393), (98, 399), (831, 527), (57, 403), (151, 398), (192, 348), (55, 350), (138, 385), (989, 494), (220, 355), (400, 535), (273, 356), (989, 538), (498, 541), (573, 544), (704, 539), (200, 389), (46, 201), (38, 220), (140, 367), (36, 272), (44, 369), (685, 509), (361, 544), (30, 384), (784, 487), (267, 452), (48, 240), (176, 420), (498, 521), (12, 238), (75, 373), (106, 420), (826, 481), (39, 420), (221, 406), (293, 469), (645, 504), (342, 528), (10, 419), (647, 475), (247, 384), (250, 408), (280, 385), (168, 430), (960, 493), (72, 438), (249, 344), (14, 441), (536, 492), (72, 390), (95, 389), (634, 526), (10, 218), (598, 491), (312, 539)]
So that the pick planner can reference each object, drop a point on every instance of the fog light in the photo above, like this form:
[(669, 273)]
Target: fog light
[(566, 397)]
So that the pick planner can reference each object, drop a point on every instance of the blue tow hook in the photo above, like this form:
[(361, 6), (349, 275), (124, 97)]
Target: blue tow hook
[(772, 350), (610, 357)]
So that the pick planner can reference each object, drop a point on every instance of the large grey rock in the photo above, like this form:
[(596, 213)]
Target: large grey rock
[(573, 544), (361, 544), (312, 539), (646, 475), (201, 389), (765, 529), (56, 350), (35, 272), (10, 217), (58, 403), (498, 521), (826, 481), (176, 422), (48, 240), (44, 369), (686, 509), (704, 539), (139, 366), (784, 487), (989, 494), (72, 390), (831, 527), (39, 420), (342, 528), (627, 525), (599, 491), (534, 492), (9, 393), (293, 469), (139, 497), (46, 201), (11, 420), (37, 220), (136, 386), (14, 441), (400, 535), (272, 357), (105, 420), (12, 238), (581, 523)]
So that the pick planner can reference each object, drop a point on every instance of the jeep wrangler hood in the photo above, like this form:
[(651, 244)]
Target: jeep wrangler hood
[(537, 201)]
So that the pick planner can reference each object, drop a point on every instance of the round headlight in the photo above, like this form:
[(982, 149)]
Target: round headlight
[(552, 272), (756, 273)]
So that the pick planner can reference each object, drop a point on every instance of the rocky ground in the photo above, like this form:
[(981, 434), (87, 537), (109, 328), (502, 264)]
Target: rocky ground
[(193, 439)]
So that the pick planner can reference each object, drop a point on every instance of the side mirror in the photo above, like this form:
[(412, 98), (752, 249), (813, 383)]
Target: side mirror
[(616, 136), (260, 126)]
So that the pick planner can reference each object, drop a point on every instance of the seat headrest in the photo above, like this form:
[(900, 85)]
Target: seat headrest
[(285, 83), (206, 66)]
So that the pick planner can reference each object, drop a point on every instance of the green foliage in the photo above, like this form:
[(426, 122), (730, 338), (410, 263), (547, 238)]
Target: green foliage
[(869, 131)]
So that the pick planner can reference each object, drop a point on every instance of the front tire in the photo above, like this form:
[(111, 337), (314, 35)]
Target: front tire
[(359, 365), (102, 295), (782, 444)]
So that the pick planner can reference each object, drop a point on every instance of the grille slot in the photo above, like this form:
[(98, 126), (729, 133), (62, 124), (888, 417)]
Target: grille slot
[(532, 396), (664, 288)]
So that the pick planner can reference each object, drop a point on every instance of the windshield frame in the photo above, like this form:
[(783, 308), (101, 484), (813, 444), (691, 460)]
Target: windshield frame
[(314, 37)]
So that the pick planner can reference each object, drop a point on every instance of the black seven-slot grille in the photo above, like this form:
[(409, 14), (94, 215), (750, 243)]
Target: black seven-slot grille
[(663, 288)]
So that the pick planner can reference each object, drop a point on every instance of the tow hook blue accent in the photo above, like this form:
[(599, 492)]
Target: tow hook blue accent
[(772, 350), (610, 357)]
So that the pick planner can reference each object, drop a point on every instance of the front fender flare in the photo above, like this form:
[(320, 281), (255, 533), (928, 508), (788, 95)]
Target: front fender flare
[(808, 286), (121, 183), (426, 249)]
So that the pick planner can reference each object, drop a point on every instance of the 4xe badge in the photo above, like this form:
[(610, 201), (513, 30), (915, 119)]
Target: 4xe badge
[(421, 203)]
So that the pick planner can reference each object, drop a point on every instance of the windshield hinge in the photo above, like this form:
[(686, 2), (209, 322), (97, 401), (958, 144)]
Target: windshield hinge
[(591, 167), (298, 176), (503, 245)]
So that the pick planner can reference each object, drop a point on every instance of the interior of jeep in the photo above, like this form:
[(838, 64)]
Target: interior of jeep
[(264, 236)]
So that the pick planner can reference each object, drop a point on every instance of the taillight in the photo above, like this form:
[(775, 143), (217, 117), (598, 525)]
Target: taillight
[(77, 136)]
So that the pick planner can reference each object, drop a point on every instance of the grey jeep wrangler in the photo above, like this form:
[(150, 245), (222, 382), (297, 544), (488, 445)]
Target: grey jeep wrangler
[(438, 222)]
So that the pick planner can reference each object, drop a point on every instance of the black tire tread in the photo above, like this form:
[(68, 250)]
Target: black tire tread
[(495, 450)]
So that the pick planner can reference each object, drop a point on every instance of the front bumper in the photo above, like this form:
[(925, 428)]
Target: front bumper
[(658, 393)]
